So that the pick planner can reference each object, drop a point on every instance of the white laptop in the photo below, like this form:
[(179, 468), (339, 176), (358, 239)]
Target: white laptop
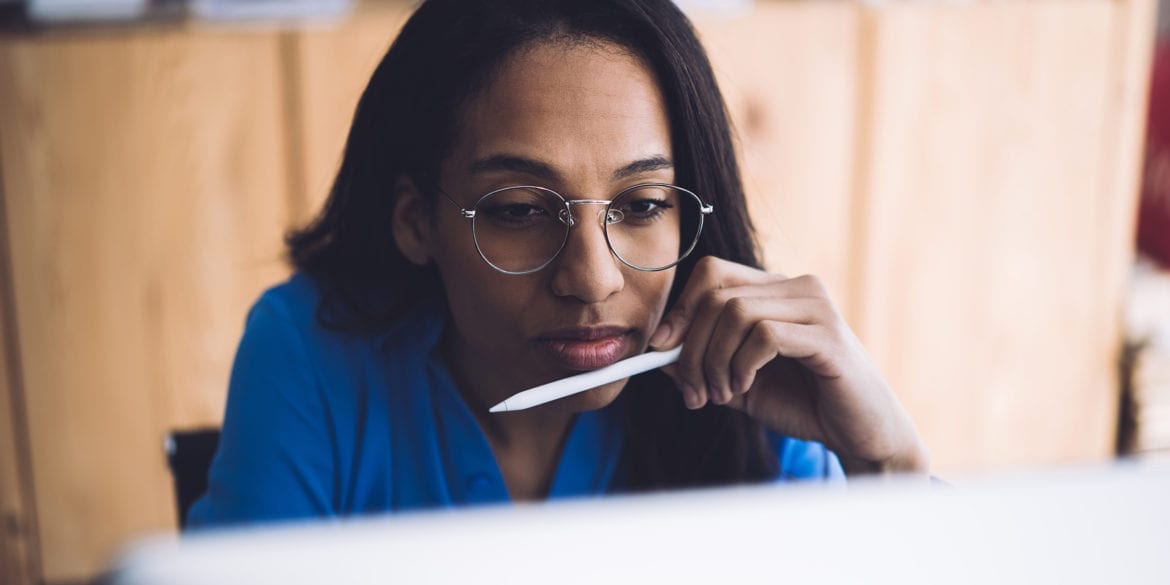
[(1109, 525)]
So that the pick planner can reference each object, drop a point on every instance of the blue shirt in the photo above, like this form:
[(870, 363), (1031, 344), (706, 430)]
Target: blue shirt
[(323, 423)]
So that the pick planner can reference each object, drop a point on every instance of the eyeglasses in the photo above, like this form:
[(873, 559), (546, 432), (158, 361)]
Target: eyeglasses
[(648, 227)]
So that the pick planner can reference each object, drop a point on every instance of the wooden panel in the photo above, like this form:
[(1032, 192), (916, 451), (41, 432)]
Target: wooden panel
[(989, 223), (145, 184), (328, 70), (17, 522), (788, 72)]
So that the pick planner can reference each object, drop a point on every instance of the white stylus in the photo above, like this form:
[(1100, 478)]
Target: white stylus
[(582, 382)]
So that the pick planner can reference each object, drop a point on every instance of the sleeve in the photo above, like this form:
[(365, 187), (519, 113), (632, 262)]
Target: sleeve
[(806, 460), (275, 459)]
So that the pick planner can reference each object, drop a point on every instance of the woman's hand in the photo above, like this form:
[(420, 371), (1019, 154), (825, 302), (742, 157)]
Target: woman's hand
[(777, 349)]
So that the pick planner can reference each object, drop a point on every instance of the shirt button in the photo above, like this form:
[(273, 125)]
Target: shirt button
[(478, 482)]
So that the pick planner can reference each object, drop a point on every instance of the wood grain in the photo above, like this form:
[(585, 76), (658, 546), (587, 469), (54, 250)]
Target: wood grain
[(990, 224), (18, 529), (328, 68), (788, 71), (145, 186)]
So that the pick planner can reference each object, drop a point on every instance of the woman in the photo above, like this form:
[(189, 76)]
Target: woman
[(530, 189)]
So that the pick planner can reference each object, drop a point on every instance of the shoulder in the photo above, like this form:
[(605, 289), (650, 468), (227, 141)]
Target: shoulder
[(289, 314), (805, 460), (293, 301), (284, 336), (298, 303), (286, 350)]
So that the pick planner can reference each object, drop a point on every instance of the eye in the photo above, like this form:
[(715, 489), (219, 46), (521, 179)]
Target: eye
[(514, 211), (645, 207), (516, 216)]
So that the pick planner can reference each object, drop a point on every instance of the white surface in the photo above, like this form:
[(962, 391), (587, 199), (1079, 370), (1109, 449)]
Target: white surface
[(581, 382), (79, 10), (264, 10), (1090, 526)]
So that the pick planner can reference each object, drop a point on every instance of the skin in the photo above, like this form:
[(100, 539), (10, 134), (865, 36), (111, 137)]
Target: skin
[(587, 120)]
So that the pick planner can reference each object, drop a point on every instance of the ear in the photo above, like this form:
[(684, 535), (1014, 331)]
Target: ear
[(412, 224)]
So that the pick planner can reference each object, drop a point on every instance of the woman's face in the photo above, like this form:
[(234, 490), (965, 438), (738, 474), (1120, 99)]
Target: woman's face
[(585, 120)]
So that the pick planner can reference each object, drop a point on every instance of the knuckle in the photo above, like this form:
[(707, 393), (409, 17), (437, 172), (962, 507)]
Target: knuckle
[(824, 309), (739, 309), (712, 300), (707, 265), (767, 332), (814, 284)]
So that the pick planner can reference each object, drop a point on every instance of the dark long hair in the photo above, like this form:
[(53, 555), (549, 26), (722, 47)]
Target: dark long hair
[(404, 126)]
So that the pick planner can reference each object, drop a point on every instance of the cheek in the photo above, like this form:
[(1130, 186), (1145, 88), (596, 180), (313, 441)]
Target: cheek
[(654, 291), (666, 285), (484, 303)]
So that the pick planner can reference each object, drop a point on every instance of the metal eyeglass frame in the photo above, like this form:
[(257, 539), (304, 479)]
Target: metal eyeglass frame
[(566, 217)]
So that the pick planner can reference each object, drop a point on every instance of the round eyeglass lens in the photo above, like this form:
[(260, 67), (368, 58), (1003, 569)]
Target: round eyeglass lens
[(519, 229), (653, 227)]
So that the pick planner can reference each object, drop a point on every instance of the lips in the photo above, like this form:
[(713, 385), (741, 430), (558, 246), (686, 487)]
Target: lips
[(587, 348)]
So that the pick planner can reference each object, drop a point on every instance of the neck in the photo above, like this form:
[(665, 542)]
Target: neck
[(526, 444)]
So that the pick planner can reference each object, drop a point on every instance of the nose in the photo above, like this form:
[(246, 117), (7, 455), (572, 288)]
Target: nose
[(586, 268)]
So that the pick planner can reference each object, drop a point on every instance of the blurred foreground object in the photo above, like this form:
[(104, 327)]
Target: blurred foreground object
[(1109, 525)]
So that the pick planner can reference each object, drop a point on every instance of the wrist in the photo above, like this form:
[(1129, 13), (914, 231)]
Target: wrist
[(915, 460)]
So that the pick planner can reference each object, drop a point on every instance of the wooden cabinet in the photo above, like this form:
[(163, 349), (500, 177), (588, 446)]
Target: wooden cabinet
[(145, 184), (962, 175)]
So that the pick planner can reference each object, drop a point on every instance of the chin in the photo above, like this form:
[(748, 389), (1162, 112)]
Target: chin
[(594, 399)]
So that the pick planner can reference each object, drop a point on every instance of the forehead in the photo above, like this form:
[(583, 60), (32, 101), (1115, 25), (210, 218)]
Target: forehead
[(589, 107)]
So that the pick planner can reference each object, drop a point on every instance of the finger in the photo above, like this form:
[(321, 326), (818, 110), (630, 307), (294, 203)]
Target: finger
[(690, 399), (771, 339), (697, 344), (806, 286), (710, 273), (704, 360), (674, 325), (735, 318), (698, 333), (739, 315)]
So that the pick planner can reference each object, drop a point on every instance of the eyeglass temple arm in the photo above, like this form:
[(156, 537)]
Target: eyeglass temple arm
[(466, 213)]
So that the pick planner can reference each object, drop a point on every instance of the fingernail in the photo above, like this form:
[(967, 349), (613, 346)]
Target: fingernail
[(660, 335), (690, 397)]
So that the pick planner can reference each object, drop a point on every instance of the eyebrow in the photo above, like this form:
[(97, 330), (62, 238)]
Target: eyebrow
[(543, 171)]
